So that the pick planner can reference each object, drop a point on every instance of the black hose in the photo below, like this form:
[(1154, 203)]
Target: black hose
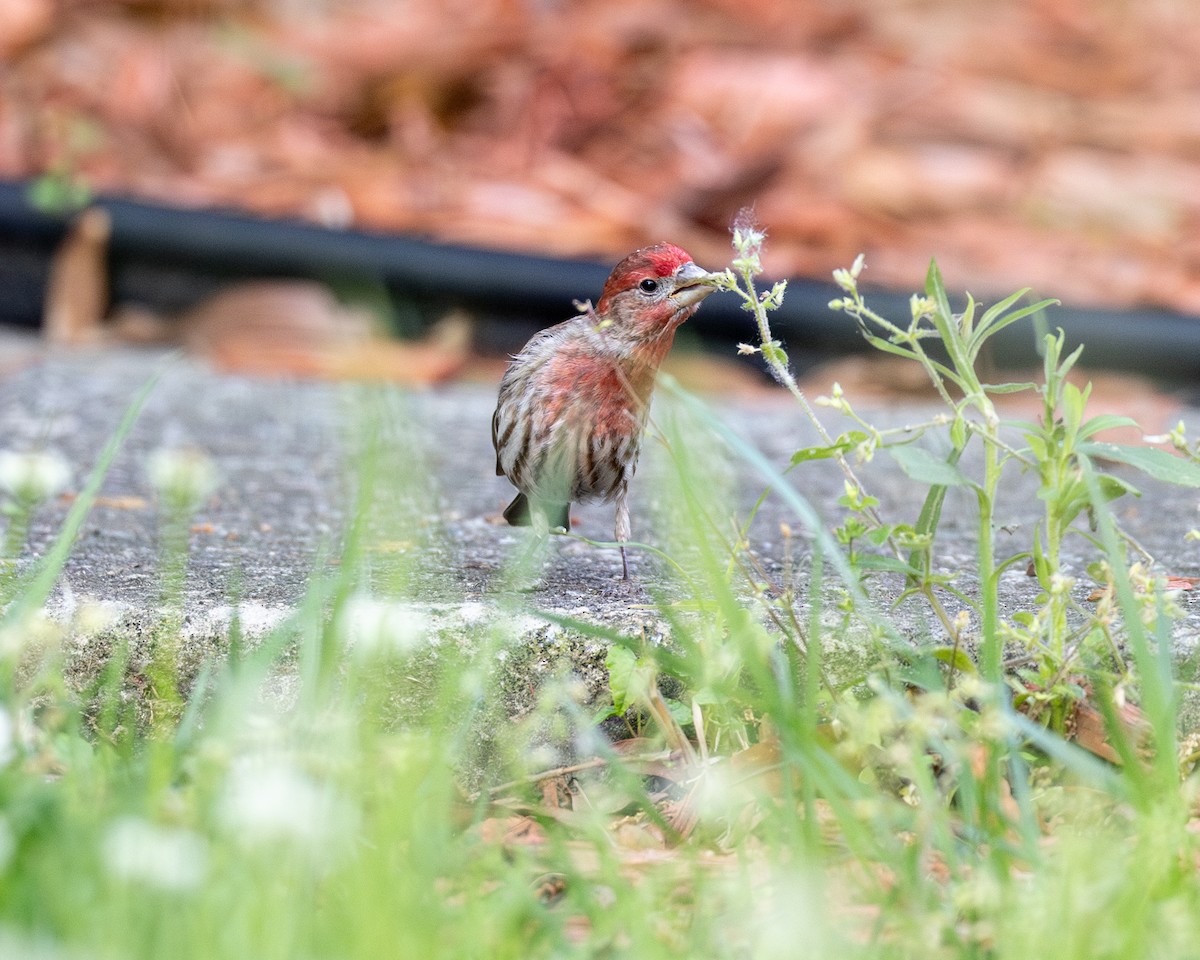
[(167, 258)]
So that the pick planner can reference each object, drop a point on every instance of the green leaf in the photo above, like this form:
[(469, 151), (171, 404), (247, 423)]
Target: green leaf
[(958, 432), (992, 323), (879, 535), (847, 441), (603, 712), (935, 289), (1105, 421), (955, 657), (1009, 387), (680, 712), (874, 561), (850, 531), (887, 346), (1050, 350), (1074, 401), (774, 353), (924, 467), (1066, 365), (620, 664), (1041, 566), (947, 326), (993, 313), (967, 320), (1038, 446), (1113, 487), (1153, 462), (805, 454)]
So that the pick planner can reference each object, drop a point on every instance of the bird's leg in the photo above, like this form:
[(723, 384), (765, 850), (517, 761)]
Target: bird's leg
[(623, 530)]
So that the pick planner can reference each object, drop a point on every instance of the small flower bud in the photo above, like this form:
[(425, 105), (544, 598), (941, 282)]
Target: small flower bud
[(1060, 584), (169, 858), (371, 625), (183, 478), (1178, 437), (748, 264), (274, 800), (748, 236), (31, 478), (920, 306)]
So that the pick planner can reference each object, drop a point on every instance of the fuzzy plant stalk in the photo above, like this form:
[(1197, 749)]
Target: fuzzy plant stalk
[(740, 278), (963, 337), (960, 372), (27, 480), (1053, 446), (183, 479)]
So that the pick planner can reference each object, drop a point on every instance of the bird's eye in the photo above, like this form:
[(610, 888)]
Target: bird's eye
[(648, 286)]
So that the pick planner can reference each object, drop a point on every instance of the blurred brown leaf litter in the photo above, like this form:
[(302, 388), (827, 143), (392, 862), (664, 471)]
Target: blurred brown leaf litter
[(1040, 143)]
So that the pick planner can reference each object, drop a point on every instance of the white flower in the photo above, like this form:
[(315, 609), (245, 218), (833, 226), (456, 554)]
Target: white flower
[(1060, 584), (165, 857), (272, 800), (33, 477), (369, 625), (95, 616), (33, 629), (183, 477)]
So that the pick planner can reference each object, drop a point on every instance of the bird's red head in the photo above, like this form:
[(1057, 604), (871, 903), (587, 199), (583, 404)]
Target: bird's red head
[(652, 290)]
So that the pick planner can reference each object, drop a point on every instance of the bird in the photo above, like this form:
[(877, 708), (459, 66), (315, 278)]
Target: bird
[(573, 403)]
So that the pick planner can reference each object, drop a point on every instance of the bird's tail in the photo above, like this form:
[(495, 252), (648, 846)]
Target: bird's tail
[(519, 513)]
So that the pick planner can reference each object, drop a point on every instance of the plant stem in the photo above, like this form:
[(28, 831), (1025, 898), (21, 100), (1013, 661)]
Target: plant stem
[(781, 373), (990, 653)]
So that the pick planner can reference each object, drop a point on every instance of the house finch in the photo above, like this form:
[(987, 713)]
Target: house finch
[(573, 403)]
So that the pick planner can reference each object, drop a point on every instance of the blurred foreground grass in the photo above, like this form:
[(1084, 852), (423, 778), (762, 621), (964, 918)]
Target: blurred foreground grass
[(774, 799)]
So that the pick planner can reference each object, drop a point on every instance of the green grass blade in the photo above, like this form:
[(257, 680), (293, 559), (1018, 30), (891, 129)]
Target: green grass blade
[(796, 501), (37, 590), (931, 515)]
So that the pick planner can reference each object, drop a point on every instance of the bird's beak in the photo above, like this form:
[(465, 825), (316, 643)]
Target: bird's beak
[(692, 284)]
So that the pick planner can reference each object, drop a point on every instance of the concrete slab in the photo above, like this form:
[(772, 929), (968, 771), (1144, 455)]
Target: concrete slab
[(285, 454)]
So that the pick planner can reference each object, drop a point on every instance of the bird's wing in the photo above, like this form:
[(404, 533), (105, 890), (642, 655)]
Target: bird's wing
[(539, 350), (495, 439)]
